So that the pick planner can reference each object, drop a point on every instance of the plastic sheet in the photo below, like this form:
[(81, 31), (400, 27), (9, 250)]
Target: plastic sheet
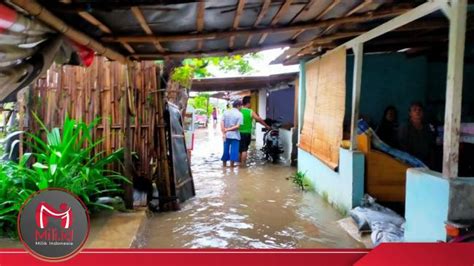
[(385, 224)]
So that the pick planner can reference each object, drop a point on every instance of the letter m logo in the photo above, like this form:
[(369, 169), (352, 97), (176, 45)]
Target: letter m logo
[(44, 212)]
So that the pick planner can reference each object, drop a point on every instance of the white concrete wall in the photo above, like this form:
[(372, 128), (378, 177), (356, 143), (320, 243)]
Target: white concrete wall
[(262, 111), (286, 143)]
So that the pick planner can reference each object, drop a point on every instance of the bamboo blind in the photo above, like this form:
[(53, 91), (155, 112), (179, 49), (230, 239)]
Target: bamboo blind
[(312, 74), (99, 91), (324, 110)]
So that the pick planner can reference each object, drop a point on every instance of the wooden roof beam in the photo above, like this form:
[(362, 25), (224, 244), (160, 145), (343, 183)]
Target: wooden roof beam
[(414, 26), (263, 11), (215, 35), (218, 53), (200, 20), (352, 11), (327, 39), (333, 4), (283, 9), (235, 25), (137, 13), (94, 21)]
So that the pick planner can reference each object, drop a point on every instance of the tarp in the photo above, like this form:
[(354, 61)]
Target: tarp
[(183, 179)]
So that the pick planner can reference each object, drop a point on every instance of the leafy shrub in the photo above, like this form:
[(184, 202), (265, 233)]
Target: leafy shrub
[(65, 160), (299, 179)]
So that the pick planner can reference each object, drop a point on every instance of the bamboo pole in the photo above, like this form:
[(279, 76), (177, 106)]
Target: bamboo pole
[(128, 141), (50, 19)]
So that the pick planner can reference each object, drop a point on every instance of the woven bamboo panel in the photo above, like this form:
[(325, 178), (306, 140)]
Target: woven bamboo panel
[(329, 109), (312, 74), (99, 91)]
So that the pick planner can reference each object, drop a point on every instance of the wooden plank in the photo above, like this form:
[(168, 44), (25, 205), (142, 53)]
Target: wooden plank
[(283, 9), (219, 53), (94, 21), (452, 119), (200, 21), (356, 84), (354, 10), (137, 13), (412, 15), (235, 24)]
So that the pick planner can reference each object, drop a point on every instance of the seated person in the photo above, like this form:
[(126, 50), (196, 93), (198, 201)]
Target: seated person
[(417, 137), (364, 128), (388, 127)]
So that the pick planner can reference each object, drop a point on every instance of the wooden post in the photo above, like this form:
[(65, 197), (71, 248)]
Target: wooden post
[(128, 140), (356, 83), (452, 118)]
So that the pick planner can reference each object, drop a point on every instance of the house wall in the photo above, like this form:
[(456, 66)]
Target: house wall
[(388, 79), (262, 112), (344, 188), (286, 142), (436, 91), (281, 104), (426, 206), (401, 80)]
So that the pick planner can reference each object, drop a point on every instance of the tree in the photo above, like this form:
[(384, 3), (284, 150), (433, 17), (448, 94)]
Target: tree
[(201, 101), (198, 67)]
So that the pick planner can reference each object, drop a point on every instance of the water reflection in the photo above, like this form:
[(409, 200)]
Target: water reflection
[(253, 207)]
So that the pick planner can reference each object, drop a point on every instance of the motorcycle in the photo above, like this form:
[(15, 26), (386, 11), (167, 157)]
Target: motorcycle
[(460, 231), (271, 141)]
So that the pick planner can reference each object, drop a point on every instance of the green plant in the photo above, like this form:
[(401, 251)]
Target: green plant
[(299, 179), (14, 190), (64, 160)]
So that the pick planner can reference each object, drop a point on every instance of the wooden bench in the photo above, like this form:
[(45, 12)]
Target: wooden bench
[(385, 177)]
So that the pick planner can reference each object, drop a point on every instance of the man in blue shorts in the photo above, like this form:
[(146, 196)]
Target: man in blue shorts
[(231, 121)]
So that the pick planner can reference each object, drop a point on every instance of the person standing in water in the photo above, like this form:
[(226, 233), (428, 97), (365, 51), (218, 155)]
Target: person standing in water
[(231, 121), (246, 128)]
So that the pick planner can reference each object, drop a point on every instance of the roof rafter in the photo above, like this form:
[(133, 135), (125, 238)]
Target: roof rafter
[(431, 24), (352, 11), (200, 20), (235, 25), (330, 7), (263, 11), (94, 21), (137, 13), (283, 9)]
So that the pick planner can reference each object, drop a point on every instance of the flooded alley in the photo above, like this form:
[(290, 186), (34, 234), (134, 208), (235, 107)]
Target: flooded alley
[(253, 207)]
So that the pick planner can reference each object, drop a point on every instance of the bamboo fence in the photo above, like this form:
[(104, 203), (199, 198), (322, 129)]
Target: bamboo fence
[(99, 91)]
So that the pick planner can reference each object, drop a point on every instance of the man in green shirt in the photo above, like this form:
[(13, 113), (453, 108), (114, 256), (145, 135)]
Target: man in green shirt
[(246, 128)]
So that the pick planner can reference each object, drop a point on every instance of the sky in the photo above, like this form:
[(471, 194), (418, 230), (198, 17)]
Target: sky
[(261, 66)]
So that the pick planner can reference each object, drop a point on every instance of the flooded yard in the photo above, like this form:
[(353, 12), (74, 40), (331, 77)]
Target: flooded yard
[(253, 207)]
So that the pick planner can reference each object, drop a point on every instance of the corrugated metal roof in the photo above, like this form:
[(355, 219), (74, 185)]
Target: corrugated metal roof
[(301, 24)]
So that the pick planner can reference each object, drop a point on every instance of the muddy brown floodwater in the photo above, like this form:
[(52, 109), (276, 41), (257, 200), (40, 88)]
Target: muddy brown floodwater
[(254, 207)]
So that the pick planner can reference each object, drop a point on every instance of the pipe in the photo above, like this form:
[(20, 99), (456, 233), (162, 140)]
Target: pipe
[(48, 18)]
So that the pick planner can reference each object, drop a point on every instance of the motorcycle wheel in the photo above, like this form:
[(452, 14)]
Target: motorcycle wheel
[(275, 158)]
